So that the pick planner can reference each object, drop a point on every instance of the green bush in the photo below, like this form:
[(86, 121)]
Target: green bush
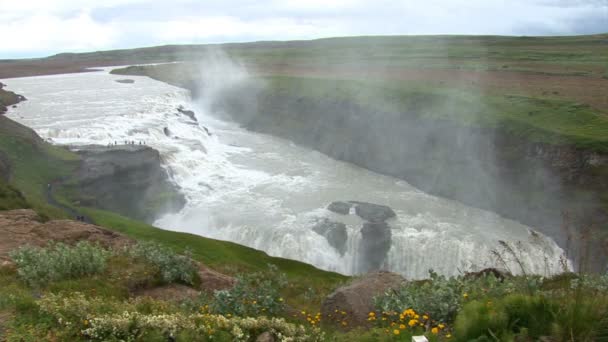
[(534, 315), (254, 294), (173, 267), (582, 315), (479, 321), (39, 266), (140, 319)]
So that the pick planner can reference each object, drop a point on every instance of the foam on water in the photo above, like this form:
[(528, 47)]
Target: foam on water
[(263, 191)]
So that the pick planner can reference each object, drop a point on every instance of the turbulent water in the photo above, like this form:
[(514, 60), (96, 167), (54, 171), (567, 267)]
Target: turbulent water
[(265, 192)]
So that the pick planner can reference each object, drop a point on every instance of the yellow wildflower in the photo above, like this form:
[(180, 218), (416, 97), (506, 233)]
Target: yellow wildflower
[(441, 325), (412, 322), (465, 295), (435, 330), (372, 314), (401, 326), (396, 332)]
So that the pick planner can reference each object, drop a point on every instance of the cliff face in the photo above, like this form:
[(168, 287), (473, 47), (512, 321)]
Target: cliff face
[(534, 183), (125, 179)]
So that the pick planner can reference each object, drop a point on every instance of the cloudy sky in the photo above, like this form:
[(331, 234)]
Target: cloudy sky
[(39, 28)]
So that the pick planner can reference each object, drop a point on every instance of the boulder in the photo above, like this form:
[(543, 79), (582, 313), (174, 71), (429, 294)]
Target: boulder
[(340, 207), (375, 244), (334, 232), (356, 300), (265, 337), (373, 212), (167, 131), (496, 273)]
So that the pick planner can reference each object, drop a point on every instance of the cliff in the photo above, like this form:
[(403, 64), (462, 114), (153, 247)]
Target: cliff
[(128, 180)]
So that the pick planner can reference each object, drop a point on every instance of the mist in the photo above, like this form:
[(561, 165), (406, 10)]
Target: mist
[(436, 156)]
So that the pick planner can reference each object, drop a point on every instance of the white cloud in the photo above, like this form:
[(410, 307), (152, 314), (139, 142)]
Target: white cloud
[(42, 31), (51, 26)]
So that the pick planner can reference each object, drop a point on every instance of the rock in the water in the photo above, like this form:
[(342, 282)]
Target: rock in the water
[(373, 212), (340, 207), (265, 337), (167, 131), (375, 244), (127, 80), (187, 113), (334, 232), (357, 299)]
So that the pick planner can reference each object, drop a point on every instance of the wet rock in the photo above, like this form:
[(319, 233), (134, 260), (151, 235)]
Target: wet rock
[(187, 113), (340, 207), (373, 212), (357, 298), (375, 244), (126, 80), (167, 131), (334, 232)]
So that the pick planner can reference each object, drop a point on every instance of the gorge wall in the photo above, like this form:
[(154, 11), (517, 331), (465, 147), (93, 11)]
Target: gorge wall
[(557, 188), (125, 179)]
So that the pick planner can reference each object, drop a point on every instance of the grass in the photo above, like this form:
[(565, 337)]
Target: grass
[(34, 164), (229, 257), (548, 119)]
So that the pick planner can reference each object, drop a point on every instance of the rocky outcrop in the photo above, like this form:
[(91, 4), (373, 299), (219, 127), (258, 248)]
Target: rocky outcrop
[(334, 232), (126, 179), (338, 207), (375, 244), (24, 227), (375, 232), (8, 98), (357, 299), (187, 113)]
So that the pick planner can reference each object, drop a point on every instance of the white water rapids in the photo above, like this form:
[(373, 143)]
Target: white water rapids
[(265, 192)]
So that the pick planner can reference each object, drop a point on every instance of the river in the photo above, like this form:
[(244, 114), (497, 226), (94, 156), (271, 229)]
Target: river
[(265, 192)]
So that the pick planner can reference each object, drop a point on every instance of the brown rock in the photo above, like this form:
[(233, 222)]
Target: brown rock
[(212, 281), (265, 337), (23, 227), (357, 299)]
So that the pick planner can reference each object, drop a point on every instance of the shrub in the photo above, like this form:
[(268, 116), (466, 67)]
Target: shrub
[(103, 319), (480, 321), (582, 316), (438, 297), (253, 294), (533, 314), (39, 266), (172, 266)]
